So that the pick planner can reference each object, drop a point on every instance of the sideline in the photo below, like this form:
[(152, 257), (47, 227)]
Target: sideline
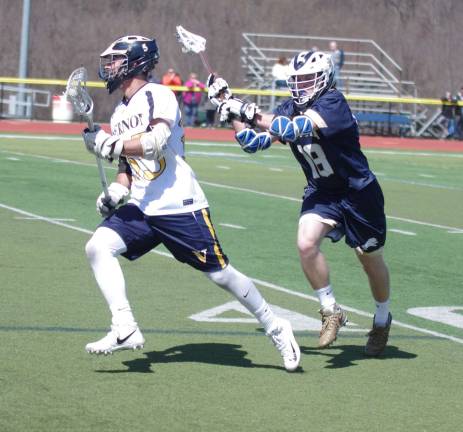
[(257, 281)]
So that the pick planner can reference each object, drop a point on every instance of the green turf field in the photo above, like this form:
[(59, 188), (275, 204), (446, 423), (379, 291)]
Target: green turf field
[(206, 366)]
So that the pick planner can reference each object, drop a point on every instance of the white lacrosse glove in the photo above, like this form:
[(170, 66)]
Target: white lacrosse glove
[(238, 109), (102, 144), (117, 194), (218, 90)]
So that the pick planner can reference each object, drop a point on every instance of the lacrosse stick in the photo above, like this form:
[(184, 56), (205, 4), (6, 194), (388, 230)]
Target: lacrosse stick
[(77, 94), (193, 43)]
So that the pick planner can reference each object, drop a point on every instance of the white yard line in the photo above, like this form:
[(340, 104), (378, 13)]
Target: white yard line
[(235, 145), (412, 153), (258, 281), (409, 233), (33, 218), (228, 225), (236, 188)]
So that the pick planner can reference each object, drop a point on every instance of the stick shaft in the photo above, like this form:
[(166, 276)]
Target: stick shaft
[(99, 164), (205, 62), (104, 182)]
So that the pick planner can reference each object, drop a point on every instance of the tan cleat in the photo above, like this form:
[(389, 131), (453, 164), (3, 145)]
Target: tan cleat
[(377, 338), (332, 320)]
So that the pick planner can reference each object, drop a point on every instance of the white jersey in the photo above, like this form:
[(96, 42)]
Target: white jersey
[(168, 185)]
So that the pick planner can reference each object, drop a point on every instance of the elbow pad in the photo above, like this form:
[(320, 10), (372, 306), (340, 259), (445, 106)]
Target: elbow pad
[(154, 142), (251, 141), (288, 130)]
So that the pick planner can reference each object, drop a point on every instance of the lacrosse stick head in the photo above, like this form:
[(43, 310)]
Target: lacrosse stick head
[(77, 94), (190, 42)]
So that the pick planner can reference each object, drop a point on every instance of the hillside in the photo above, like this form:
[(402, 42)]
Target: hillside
[(423, 36)]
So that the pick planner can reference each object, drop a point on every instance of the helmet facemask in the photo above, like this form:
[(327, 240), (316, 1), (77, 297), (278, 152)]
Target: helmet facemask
[(311, 73), (306, 87), (113, 66)]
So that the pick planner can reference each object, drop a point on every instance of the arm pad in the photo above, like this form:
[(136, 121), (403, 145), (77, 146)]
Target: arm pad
[(251, 141), (154, 142), (288, 130)]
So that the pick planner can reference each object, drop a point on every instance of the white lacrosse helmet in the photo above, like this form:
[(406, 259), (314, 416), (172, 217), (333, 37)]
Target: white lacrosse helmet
[(310, 74)]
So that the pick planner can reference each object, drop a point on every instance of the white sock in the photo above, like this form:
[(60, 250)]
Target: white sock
[(382, 313), (265, 315), (245, 291), (102, 251), (326, 297)]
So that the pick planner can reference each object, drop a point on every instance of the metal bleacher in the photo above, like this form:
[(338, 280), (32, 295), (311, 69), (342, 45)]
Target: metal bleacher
[(368, 71)]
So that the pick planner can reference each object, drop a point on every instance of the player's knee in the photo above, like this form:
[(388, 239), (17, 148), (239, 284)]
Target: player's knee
[(96, 246), (92, 248), (104, 241), (221, 277), (372, 262), (308, 248)]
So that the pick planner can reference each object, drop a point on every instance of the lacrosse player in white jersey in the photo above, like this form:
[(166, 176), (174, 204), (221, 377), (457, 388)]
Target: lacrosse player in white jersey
[(165, 203)]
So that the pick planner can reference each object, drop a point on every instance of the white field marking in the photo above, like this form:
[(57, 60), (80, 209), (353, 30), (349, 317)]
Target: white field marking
[(455, 231), (440, 314), (270, 156), (417, 183), (299, 322), (52, 159), (45, 138), (38, 219), (217, 154), (13, 159), (223, 167), (427, 175), (409, 233), (284, 197), (228, 144), (379, 174), (244, 159), (231, 225), (275, 169), (212, 144), (409, 153), (299, 200), (258, 281), (412, 221)]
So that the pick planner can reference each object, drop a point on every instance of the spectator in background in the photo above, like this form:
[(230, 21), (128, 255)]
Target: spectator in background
[(210, 113), (172, 78), (449, 108), (280, 72), (337, 55), (192, 99), (459, 114)]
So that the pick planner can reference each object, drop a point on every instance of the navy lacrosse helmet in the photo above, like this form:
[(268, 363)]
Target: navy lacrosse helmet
[(311, 73), (125, 58)]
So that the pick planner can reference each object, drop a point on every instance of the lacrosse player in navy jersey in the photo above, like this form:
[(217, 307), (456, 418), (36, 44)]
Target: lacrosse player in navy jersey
[(165, 201), (342, 196)]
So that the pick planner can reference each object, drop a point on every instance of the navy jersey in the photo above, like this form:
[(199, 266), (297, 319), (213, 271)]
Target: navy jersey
[(331, 159)]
